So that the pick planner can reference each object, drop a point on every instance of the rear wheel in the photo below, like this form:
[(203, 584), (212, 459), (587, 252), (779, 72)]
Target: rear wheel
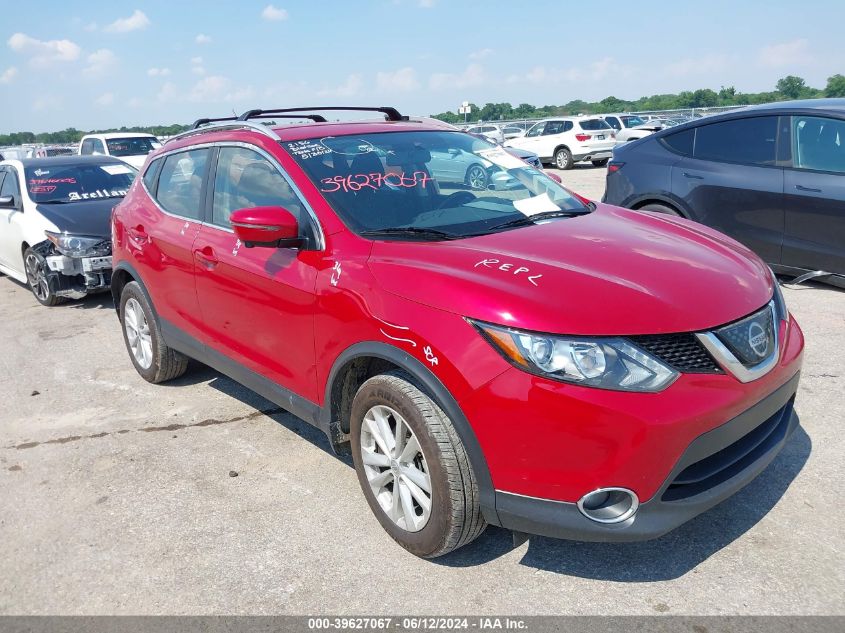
[(36, 277), (660, 208), (563, 159), (476, 177), (601, 163), (153, 359), (413, 467)]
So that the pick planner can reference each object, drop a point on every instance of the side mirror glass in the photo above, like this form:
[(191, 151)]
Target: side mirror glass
[(274, 227), (7, 202)]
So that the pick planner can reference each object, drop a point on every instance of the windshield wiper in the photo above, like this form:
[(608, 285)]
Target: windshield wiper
[(55, 201), (411, 230), (532, 219)]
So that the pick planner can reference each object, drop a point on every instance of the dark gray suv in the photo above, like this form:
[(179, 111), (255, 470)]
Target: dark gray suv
[(770, 176)]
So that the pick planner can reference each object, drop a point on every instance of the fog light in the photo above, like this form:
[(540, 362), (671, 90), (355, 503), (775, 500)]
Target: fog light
[(609, 505)]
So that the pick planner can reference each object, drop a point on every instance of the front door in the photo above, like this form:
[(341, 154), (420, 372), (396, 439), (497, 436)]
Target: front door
[(11, 222), (257, 303)]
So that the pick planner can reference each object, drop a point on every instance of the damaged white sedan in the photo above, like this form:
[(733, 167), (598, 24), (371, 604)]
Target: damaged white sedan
[(54, 223)]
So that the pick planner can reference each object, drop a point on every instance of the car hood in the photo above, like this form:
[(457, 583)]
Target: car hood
[(86, 217), (610, 272)]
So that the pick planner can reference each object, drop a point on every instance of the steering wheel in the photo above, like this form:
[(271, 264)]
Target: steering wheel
[(456, 199)]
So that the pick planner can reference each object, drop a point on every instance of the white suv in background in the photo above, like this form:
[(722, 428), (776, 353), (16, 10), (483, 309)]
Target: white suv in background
[(130, 147), (565, 141)]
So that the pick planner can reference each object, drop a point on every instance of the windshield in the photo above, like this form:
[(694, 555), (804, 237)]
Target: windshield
[(435, 181), (71, 183), (632, 121), (132, 146)]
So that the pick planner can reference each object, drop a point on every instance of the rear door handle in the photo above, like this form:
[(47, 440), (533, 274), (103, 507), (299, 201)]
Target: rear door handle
[(693, 176), (810, 189), (206, 257)]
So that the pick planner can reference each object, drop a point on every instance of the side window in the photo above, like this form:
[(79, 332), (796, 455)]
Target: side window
[(553, 127), (613, 122), (681, 142), (99, 146), (2, 176), (180, 183), (10, 186), (752, 141), (150, 175), (818, 143), (536, 130), (246, 179), (87, 146), (568, 125)]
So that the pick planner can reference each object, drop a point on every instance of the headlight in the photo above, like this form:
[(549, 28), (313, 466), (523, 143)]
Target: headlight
[(606, 363), (780, 302), (79, 246)]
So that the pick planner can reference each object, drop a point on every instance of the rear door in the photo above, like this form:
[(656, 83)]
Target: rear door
[(257, 303), (733, 181), (162, 236), (814, 195), (11, 221)]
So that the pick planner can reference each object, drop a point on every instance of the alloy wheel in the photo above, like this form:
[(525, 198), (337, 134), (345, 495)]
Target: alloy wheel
[(138, 333), (477, 178), (37, 277), (396, 468)]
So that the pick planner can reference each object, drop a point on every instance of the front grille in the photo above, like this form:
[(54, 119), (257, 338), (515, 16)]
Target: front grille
[(731, 460), (682, 352), (752, 340)]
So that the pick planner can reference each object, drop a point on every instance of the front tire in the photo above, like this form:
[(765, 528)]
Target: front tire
[(563, 159), (36, 276), (413, 468), (152, 358)]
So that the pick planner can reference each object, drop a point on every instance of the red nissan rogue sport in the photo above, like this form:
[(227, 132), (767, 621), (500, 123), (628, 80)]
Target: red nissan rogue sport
[(491, 348)]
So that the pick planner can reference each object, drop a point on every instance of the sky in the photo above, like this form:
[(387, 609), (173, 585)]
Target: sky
[(96, 64)]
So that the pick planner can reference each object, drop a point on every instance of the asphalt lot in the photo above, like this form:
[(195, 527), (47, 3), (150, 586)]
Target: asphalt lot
[(117, 498)]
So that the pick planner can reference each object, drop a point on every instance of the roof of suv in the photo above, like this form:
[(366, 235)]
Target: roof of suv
[(109, 135)]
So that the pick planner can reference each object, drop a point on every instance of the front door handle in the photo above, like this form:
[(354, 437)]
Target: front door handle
[(206, 257), (810, 189), (693, 176)]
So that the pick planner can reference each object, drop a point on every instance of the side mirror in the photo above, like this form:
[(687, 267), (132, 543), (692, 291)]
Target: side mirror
[(7, 202), (266, 226), (554, 177)]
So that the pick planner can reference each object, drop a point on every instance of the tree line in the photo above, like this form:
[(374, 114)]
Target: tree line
[(787, 88)]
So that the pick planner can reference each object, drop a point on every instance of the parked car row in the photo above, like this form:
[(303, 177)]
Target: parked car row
[(507, 354)]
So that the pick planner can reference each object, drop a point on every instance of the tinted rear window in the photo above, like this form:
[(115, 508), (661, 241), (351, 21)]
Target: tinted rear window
[(681, 142), (132, 146), (751, 141), (594, 124)]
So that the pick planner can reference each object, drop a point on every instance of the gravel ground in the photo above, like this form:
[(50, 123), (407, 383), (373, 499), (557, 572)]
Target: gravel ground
[(120, 497)]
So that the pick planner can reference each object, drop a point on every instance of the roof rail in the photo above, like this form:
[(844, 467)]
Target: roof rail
[(391, 113), (217, 125)]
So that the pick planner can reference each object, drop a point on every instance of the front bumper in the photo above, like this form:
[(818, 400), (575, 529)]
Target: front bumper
[(714, 466), (75, 277)]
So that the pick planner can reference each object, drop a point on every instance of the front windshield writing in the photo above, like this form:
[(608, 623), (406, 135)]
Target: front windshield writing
[(442, 181), (70, 183)]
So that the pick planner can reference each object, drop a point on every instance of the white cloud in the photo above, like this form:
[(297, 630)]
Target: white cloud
[(44, 53), (481, 54), (105, 99), (8, 75), (472, 76), (99, 63), (703, 65), (794, 53), (168, 93), (196, 66), (158, 72), (202, 38), (48, 103), (135, 22), (402, 80), (427, 4), (593, 72), (211, 89), (91, 26), (274, 14), (135, 102), (196, 60), (349, 88)]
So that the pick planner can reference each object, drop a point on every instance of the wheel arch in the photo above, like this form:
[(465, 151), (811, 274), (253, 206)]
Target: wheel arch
[(123, 274), (641, 201), (364, 360)]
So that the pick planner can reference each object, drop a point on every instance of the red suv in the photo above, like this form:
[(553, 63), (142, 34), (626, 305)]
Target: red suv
[(513, 354)]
